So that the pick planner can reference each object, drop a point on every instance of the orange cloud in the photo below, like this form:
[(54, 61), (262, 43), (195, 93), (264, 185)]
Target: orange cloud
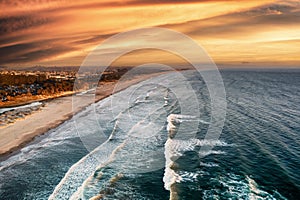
[(62, 33)]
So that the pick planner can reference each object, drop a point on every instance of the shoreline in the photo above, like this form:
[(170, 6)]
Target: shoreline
[(42, 99), (57, 110)]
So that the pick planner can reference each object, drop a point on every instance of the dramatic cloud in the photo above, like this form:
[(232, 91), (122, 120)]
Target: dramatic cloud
[(61, 32), (259, 35)]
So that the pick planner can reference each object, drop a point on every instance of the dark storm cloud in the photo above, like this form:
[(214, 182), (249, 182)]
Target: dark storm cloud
[(17, 23), (34, 51)]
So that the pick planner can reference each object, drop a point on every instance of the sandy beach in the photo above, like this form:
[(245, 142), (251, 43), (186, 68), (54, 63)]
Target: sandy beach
[(56, 111)]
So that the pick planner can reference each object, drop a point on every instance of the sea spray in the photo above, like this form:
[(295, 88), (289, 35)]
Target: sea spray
[(80, 171), (179, 143)]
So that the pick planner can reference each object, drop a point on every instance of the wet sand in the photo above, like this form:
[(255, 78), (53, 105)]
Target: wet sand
[(55, 112)]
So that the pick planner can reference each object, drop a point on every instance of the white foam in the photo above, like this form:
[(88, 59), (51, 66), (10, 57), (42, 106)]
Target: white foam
[(240, 187), (173, 150), (211, 152), (187, 176), (176, 147), (208, 164), (56, 137), (81, 173), (75, 181), (170, 176), (72, 183), (178, 117), (2, 110)]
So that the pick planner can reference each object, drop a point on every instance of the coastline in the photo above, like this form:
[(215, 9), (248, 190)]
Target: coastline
[(55, 112), (41, 98)]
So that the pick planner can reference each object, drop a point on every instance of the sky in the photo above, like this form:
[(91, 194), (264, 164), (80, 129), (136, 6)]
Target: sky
[(241, 33)]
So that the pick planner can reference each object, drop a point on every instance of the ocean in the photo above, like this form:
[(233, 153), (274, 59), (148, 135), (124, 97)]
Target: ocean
[(148, 142)]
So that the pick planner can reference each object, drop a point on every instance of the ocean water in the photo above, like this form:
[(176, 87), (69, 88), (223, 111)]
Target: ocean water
[(146, 142)]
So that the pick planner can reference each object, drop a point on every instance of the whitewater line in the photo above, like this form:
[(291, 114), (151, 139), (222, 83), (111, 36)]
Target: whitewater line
[(175, 147)]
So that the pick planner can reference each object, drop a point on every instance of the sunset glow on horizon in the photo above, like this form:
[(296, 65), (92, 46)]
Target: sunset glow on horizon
[(62, 33)]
